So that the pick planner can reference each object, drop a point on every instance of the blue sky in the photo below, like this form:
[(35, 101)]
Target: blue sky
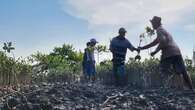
[(40, 25)]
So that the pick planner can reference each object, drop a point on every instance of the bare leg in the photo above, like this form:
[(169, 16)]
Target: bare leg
[(187, 80)]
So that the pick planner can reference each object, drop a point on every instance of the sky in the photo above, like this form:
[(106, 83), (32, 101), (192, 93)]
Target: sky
[(40, 25)]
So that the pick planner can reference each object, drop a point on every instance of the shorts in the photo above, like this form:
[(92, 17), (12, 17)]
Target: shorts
[(90, 69), (174, 63)]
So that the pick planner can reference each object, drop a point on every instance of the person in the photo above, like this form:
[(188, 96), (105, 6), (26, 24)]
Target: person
[(118, 47), (86, 59), (171, 55), (89, 60), (93, 43)]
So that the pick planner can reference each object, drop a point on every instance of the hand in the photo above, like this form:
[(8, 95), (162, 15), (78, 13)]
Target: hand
[(152, 53), (140, 48)]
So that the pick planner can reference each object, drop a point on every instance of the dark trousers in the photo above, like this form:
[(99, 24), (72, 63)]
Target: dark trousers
[(120, 78)]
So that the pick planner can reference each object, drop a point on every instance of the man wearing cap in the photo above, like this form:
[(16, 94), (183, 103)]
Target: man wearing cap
[(171, 55), (118, 47)]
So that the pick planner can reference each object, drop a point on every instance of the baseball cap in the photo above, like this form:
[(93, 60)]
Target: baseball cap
[(122, 30), (93, 40)]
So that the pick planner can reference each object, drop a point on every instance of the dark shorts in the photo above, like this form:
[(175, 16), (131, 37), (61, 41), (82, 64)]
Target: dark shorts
[(174, 64), (89, 68)]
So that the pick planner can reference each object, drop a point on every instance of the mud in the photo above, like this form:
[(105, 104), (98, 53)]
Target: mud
[(95, 96)]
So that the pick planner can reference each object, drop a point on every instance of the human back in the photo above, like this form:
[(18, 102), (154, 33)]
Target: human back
[(119, 46)]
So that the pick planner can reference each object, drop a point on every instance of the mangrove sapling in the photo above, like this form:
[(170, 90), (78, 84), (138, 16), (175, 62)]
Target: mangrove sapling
[(8, 49), (100, 49), (148, 33)]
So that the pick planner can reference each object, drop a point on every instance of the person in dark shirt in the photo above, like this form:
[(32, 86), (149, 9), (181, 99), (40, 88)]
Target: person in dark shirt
[(86, 60), (118, 47), (89, 70)]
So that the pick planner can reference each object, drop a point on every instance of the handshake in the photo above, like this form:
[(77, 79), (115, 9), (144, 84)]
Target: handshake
[(142, 48)]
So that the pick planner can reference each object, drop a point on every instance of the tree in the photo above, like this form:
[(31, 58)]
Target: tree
[(12, 68), (68, 52), (62, 60), (8, 47)]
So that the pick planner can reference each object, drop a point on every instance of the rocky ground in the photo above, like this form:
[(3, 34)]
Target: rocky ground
[(94, 96)]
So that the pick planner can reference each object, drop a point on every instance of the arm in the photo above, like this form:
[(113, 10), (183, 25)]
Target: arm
[(155, 42), (111, 46), (156, 50), (131, 47)]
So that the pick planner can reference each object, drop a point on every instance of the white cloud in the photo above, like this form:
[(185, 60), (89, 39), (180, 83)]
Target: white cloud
[(123, 12), (106, 16)]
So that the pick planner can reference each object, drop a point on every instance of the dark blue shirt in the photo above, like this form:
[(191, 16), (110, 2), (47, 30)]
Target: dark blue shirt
[(119, 46)]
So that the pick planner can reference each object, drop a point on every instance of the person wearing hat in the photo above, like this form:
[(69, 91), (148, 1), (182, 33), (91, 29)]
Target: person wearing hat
[(171, 54), (89, 60), (118, 47), (86, 61)]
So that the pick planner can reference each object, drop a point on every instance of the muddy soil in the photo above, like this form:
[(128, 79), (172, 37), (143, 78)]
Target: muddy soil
[(95, 96)]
